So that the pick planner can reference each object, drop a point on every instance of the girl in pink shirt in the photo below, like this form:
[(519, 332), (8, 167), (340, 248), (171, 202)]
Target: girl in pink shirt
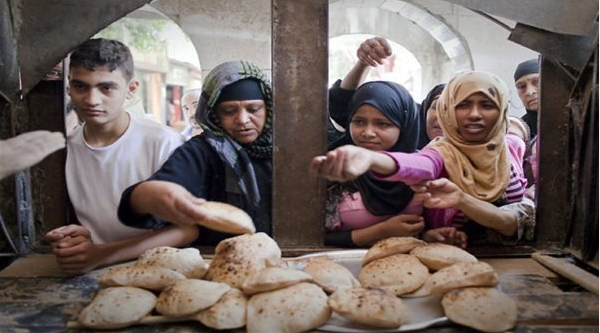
[(383, 117)]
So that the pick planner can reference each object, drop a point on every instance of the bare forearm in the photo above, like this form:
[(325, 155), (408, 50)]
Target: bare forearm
[(355, 77), (368, 236), (488, 215), (131, 248)]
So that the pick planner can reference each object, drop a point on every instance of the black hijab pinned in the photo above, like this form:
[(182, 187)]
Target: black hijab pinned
[(396, 104)]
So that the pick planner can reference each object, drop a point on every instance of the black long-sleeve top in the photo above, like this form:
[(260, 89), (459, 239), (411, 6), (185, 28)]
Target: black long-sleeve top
[(198, 168)]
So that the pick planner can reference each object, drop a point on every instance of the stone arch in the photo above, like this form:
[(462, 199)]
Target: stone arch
[(440, 49)]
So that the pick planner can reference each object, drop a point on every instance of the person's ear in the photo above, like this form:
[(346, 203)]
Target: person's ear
[(132, 87)]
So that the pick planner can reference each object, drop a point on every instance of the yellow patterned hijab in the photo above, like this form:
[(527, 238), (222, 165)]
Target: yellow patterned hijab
[(479, 169)]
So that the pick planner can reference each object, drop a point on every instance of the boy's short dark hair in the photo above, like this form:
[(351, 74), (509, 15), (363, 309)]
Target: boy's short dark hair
[(103, 52)]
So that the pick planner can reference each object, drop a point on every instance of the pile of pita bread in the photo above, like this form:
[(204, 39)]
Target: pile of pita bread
[(247, 284)]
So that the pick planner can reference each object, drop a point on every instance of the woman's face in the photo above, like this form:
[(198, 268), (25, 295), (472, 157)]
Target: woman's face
[(433, 127), (242, 120), (476, 116), (370, 129)]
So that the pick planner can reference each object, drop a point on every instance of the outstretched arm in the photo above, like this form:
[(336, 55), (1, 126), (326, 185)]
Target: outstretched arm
[(349, 162), (371, 53), (168, 201), (27, 149), (442, 193), (76, 253)]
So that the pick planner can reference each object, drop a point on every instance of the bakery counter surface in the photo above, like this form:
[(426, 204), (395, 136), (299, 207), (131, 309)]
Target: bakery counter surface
[(36, 297)]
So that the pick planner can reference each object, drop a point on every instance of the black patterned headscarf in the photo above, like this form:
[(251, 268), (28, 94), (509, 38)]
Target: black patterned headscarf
[(235, 156), (397, 105), (214, 83)]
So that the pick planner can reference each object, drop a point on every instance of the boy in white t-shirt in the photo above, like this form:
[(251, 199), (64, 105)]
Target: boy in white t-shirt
[(110, 152)]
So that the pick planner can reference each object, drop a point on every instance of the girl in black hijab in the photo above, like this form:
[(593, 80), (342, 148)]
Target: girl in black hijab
[(383, 116)]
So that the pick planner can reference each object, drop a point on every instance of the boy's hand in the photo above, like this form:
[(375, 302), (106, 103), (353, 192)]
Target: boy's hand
[(168, 201), (447, 235), (403, 225), (373, 51), (71, 230), (75, 252)]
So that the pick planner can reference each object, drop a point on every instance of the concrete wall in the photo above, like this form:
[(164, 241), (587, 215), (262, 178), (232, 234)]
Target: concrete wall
[(490, 48), (486, 41), (223, 30)]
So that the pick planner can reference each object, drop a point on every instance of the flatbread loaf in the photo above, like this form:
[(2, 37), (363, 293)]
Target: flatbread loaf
[(141, 276), (227, 218), (186, 261), (228, 313), (484, 309), (298, 308), (393, 245), (330, 275), (439, 255), (272, 278), (117, 307), (238, 257), (373, 307), (398, 274), (460, 275), (189, 296)]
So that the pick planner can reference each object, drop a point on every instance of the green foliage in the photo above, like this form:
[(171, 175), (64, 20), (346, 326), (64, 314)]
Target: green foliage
[(141, 34)]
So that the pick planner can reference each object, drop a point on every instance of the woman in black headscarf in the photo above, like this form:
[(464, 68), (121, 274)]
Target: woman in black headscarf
[(229, 162), (383, 117)]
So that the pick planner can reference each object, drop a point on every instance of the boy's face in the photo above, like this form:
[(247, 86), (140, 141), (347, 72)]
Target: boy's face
[(99, 95)]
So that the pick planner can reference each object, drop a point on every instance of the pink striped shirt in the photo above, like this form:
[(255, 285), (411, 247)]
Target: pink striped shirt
[(428, 164)]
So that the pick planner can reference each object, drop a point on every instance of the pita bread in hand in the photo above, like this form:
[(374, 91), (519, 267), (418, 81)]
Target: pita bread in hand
[(186, 261), (227, 218), (117, 307), (228, 313), (141, 276), (238, 257), (189, 296), (392, 245), (439, 255), (484, 309), (330, 275), (272, 278), (298, 308), (373, 307), (398, 274)]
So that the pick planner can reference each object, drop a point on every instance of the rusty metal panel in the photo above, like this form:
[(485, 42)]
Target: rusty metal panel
[(9, 73), (48, 30), (300, 103), (558, 47), (48, 185), (554, 158), (575, 17)]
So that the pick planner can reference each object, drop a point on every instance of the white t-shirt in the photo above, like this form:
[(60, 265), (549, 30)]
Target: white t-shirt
[(96, 177)]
